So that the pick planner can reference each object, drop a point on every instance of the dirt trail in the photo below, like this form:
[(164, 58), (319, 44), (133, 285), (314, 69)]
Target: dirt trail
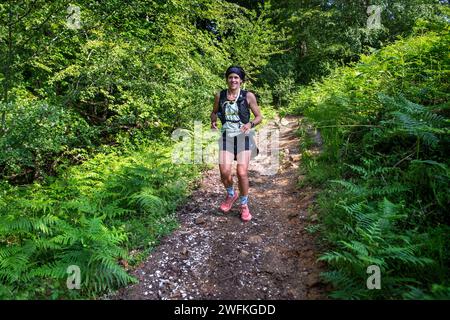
[(217, 256)]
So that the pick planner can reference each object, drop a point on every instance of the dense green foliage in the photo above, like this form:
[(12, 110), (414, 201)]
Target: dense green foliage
[(87, 111), (126, 72), (91, 216), (105, 95), (385, 167), (316, 36)]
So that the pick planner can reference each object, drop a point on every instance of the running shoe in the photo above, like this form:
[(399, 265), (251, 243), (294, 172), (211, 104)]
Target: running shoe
[(245, 213), (228, 203)]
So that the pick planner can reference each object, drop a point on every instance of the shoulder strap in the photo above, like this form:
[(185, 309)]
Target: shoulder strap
[(243, 96), (223, 94), (222, 98)]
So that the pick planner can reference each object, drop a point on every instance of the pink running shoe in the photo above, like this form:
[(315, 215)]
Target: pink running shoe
[(228, 203), (245, 213)]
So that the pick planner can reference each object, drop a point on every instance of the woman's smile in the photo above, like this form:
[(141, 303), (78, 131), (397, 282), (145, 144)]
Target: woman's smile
[(234, 81)]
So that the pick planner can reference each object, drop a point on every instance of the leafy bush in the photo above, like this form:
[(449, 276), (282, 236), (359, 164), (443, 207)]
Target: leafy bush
[(107, 97), (35, 133), (385, 169), (93, 216), (134, 71)]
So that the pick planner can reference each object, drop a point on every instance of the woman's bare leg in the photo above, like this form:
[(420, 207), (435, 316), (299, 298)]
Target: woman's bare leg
[(225, 162), (243, 159)]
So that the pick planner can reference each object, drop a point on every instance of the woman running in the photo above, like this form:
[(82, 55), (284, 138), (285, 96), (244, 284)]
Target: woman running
[(232, 106)]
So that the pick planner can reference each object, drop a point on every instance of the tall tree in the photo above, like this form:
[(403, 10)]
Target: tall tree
[(326, 33)]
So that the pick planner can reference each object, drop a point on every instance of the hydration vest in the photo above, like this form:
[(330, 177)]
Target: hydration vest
[(243, 108)]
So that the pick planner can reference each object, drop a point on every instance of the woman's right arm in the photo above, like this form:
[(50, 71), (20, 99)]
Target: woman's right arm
[(214, 112)]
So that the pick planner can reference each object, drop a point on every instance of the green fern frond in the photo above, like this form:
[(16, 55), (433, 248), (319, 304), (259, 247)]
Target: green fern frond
[(55, 270), (335, 257), (147, 200), (15, 224), (351, 187)]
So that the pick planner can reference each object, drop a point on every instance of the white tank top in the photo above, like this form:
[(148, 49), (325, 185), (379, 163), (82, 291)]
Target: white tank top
[(231, 110)]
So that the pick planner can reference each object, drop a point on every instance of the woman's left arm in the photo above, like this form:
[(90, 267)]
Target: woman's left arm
[(253, 104)]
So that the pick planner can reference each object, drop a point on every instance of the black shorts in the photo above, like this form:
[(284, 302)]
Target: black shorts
[(239, 143)]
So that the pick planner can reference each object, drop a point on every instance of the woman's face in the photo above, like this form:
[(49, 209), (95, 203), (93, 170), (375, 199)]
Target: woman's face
[(234, 81)]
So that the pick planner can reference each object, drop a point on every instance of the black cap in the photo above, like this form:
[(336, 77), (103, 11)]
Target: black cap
[(235, 69)]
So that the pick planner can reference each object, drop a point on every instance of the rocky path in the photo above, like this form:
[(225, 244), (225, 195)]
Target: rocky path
[(217, 256)]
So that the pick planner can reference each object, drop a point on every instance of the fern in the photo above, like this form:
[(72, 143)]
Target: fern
[(387, 142), (353, 188), (91, 218), (413, 119), (147, 200), (373, 241)]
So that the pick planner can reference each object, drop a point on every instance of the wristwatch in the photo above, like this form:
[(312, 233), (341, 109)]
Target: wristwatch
[(252, 123)]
